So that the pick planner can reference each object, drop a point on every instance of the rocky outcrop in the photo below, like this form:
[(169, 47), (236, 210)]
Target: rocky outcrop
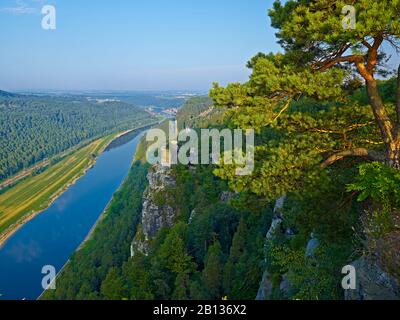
[(226, 196), (372, 283), (266, 287), (156, 212), (276, 229), (277, 220), (285, 287), (312, 246), (377, 271), (192, 215)]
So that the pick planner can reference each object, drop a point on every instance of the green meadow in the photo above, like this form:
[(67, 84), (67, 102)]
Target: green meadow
[(36, 193)]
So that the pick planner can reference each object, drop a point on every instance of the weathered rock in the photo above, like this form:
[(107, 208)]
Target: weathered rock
[(265, 290), (276, 224), (285, 286), (156, 212), (279, 204), (312, 246), (192, 215), (155, 217), (275, 228), (372, 283), (226, 196)]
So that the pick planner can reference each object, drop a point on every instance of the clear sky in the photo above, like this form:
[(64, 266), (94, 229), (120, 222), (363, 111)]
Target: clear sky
[(131, 44)]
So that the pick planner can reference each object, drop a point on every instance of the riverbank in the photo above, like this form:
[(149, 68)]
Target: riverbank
[(43, 164), (30, 197), (101, 217), (104, 213)]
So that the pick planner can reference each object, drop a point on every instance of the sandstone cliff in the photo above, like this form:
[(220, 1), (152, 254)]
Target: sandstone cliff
[(156, 212)]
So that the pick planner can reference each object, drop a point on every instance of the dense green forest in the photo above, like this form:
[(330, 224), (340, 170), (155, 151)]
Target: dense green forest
[(214, 250), (221, 250), (104, 254), (33, 128), (197, 112), (328, 138), (327, 145), (219, 253)]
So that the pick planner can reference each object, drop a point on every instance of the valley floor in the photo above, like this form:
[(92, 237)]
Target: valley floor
[(34, 194)]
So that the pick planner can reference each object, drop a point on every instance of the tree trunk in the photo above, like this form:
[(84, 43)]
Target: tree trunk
[(391, 140), (380, 113), (393, 155), (398, 100)]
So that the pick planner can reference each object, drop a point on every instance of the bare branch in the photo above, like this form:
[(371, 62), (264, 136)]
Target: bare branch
[(373, 54), (286, 106), (323, 66), (357, 152), (367, 44)]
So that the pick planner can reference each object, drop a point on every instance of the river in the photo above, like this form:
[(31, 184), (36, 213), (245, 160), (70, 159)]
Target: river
[(52, 236)]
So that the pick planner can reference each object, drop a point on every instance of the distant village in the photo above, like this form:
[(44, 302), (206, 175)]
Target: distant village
[(170, 112)]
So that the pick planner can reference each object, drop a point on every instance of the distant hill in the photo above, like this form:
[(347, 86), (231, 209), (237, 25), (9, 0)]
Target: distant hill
[(33, 128), (7, 94), (198, 112)]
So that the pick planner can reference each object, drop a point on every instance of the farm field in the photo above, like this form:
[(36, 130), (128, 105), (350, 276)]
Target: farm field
[(36, 193)]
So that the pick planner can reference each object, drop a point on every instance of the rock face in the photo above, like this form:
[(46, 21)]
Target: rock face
[(192, 215), (277, 219), (372, 283), (226, 196), (156, 212), (312, 246), (266, 287)]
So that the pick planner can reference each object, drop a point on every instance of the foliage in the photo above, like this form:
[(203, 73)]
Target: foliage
[(96, 270), (378, 182), (35, 193), (304, 98), (209, 241), (308, 277), (33, 128), (315, 123)]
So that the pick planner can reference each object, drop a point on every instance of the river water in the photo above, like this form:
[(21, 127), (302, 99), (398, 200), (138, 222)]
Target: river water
[(52, 236)]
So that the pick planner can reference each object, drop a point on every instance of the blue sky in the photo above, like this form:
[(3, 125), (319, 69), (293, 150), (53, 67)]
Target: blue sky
[(131, 44)]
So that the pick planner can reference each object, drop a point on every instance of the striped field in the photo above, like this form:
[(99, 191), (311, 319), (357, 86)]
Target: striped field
[(36, 193)]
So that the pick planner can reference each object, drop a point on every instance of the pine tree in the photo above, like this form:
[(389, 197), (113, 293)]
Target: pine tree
[(112, 286), (212, 273), (300, 104)]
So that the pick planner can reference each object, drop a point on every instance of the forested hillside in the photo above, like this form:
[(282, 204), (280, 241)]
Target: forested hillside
[(217, 246), (212, 251), (328, 141), (108, 249), (33, 128), (324, 194)]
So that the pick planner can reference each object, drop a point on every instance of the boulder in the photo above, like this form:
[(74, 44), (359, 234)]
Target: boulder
[(372, 283)]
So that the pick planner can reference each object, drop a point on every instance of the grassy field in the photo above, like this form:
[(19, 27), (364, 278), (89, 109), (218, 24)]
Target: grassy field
[(36, 193)]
